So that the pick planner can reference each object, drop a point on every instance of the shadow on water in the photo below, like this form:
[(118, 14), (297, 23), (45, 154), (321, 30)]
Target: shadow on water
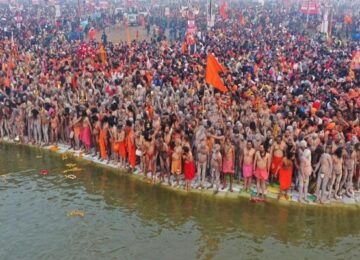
[(213, 218)]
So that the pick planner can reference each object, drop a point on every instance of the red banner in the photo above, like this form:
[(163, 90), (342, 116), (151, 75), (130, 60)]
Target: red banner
[(310, 7)]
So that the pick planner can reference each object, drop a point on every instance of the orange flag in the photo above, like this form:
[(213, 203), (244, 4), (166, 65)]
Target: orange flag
[(184, 47), (92, 34), (212, 77), (242, 19), (148, 77), (348, 19), (355, 63), (223, 11)]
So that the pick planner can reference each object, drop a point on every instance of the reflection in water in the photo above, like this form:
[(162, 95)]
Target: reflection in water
[(206, 225)]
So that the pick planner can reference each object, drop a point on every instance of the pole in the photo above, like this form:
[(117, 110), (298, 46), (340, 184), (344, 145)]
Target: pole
[(307, 13)]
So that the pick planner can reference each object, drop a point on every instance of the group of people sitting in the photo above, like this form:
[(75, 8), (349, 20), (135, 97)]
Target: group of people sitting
[(290, 115)]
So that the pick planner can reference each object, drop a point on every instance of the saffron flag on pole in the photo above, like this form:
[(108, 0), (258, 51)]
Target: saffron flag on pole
[(222, 11), (212, 77), (242, 19), (355, 63)]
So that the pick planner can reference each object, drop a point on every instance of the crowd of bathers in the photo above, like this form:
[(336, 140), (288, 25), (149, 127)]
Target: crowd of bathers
[(290, 115)]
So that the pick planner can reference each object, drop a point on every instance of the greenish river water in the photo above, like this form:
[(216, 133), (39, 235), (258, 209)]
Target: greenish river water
[(128, 219)]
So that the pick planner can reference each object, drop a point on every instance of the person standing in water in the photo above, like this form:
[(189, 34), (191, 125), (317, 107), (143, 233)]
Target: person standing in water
[(262, 169)]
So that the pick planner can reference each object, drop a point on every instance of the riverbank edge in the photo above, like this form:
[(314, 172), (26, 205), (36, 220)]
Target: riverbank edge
[(236, 195)]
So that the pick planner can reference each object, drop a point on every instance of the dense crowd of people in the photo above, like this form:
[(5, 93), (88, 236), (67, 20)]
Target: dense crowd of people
[(291, 113)]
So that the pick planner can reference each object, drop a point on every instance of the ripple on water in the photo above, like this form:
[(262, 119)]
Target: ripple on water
[(127, 220)]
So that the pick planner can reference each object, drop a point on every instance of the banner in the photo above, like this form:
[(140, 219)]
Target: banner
[(103, 4), (57, 11), (310, 7)]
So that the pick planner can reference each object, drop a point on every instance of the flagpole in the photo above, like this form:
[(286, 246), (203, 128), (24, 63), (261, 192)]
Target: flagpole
[(307, 13)]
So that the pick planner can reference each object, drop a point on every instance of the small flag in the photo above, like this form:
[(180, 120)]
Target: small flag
[(212, 77)]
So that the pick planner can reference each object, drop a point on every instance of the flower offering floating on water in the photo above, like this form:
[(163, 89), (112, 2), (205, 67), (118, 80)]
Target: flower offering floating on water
[(75, 169), (44, 172), (54, 148), (76, 213), (70, 176), (67, 155)]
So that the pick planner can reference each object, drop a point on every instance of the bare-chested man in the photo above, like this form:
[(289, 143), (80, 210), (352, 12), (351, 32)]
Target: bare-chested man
[(337, 172), (262, 169), (277, 153), (202, 157), (247, 164), (349, 169), (314, 141), (324, 166), (45, 121), (216, 166), (163, 150), (95, 134), (54, 128), (304, 171), (228, 163), (176, 161), (120, 138), (149, 153)]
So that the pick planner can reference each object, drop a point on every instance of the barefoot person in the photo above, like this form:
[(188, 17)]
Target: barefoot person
[(150, 158), (189, 167), (54, 123), (216, 166), (176, 161), (337, 172), (247, 164), (45, 120), (304, 171), (164, 159), (349, 168), (262, 169), (130, 144), (277, 154), (228, 163), (285, 171), (202, 158), (122, 145), (323, 169), (86, 134)]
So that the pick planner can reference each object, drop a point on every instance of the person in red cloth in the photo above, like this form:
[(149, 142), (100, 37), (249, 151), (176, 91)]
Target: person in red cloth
[(285, 170), (189, 167), (277, 154), (130, 144)]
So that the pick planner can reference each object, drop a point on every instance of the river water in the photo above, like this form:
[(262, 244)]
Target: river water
[(129, 219)]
